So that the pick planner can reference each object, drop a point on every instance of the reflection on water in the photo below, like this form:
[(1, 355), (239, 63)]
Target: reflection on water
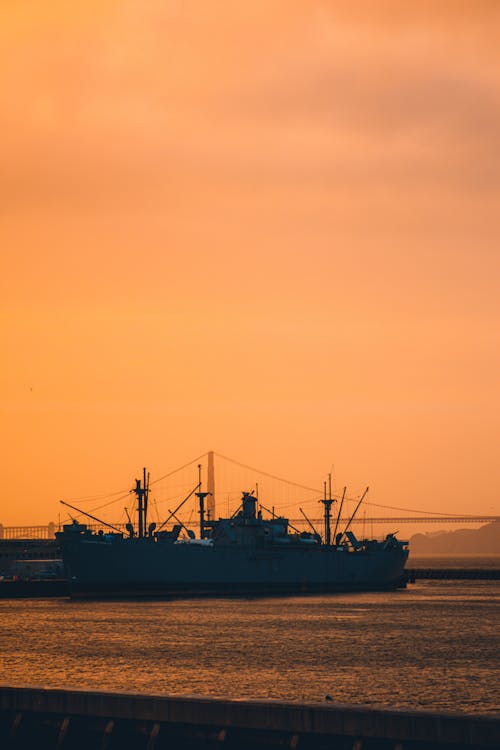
[(434, 645)]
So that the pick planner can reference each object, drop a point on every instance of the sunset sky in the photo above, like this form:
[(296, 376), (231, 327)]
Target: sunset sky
[(265, 228)]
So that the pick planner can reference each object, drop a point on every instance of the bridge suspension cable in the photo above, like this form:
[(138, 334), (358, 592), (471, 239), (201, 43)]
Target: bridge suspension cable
[(267, 474), (180, 468), (122, 494)]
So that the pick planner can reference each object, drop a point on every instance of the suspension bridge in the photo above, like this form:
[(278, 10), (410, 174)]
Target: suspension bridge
[(225, 478)]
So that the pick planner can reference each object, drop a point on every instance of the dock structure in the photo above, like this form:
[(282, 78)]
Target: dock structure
[(452, 574), (43, 719)]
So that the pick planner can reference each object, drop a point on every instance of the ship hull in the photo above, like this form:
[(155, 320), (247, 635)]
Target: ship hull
[(147, 590), (116, 567)]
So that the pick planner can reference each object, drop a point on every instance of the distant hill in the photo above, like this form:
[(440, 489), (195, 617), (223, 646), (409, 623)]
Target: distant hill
[(483, 541)]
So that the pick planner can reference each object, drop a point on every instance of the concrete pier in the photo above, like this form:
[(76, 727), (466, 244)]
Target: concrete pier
[(34, 589), (453, 574), (46, 719)]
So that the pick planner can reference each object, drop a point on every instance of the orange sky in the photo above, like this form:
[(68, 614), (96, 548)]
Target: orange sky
[(266, 228)]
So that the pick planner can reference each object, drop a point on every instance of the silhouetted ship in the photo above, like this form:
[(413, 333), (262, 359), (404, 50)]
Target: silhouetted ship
[(243, 554)]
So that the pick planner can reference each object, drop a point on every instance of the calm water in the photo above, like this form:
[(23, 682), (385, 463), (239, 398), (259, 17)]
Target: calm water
[(435, 645)]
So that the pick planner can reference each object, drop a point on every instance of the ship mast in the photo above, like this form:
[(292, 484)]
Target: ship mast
[(327, 502), (201, 497), (142, 491)]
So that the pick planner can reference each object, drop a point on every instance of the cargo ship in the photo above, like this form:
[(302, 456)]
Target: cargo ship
[(245, 554)]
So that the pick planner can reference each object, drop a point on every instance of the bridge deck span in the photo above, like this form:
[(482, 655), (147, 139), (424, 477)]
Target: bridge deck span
[(48, 532)]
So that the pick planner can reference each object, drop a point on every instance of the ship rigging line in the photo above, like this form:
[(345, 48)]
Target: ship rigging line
[(105, 505), (203, 455), (89, 515), (249, 468), (311, 489), (125, 493), (89, 498), (266, 474), (198, 486)]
